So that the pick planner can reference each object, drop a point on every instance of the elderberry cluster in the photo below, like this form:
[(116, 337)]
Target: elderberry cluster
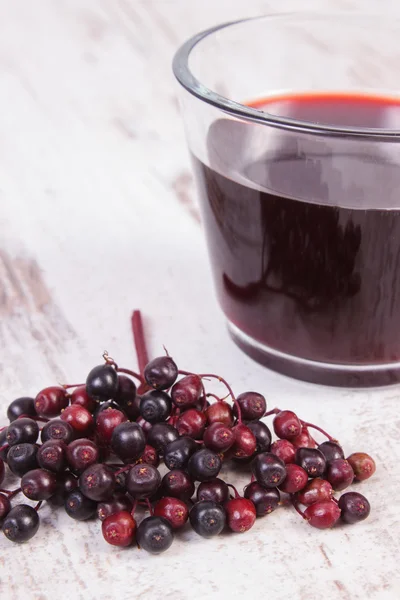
[(101, 444)]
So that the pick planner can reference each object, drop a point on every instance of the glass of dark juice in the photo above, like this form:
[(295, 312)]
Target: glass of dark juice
[(293, 125)]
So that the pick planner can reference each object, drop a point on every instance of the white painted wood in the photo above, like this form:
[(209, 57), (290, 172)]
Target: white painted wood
[(97, 218)]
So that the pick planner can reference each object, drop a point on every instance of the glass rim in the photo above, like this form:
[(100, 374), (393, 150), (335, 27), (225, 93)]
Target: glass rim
[(183, 74)]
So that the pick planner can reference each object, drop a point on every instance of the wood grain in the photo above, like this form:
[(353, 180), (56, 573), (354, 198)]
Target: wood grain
[(99, 216)]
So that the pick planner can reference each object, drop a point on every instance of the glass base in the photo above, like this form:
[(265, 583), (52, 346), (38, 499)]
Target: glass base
[(316, 372)]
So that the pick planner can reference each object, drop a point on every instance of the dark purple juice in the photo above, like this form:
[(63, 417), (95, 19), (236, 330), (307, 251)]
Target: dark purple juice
[(304, 232)]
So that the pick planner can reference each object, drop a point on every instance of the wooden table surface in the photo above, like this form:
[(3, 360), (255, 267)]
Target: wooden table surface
[(99, 216)]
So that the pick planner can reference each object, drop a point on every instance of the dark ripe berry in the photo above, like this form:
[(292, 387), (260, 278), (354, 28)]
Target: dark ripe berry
[(127, 397), (172, 509), (354, 506), (252, 406), (51, 401), (52, 455), (2, 471), (178, 484), (296, 479), (119, 529), (57, 430), (155, 406), (362, 464), (155, 535), (322, 515), (81, 454), (214, 490), (66, 483), (126, 391), (178, 452), (3, 442), (160, 435), (97, 482), (107, 421), (116, 504), (5, 506), (207, 518), (21, 523), (245, 442), (22, 458), (143, 481), (79, 507), (149, 456), (187, 391), (192, 423), (316, 490), (21, 406), (262, 434), (284, 450), (218, 437), (22, 431), (339, 474), (304, 439), (102, 382), (331, 450), (312, 461), (160, 373), (241, 514), (268, 469), (265, 501), (39, 484), (79, 418), (81, 397), (220, 412), (132, 409), (128, 441), (204, 465), (286, 425)]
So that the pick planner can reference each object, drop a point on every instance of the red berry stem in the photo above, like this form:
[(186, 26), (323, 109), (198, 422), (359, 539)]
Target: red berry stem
[(217, 397), (149, 506), (14, 493), (204, 396), (134, 506), (38, 505), (139, 339), (3, 447), (273, 411), (298, 509), (214, 396), (330, 438), (109, 360), (237, 495), (68, 386), (122, 470), (3, 491)]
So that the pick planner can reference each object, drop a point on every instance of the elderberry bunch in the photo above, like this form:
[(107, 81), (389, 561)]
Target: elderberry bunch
[(101, 444)]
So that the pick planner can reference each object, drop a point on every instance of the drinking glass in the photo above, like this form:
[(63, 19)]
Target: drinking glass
[(293, 126)]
